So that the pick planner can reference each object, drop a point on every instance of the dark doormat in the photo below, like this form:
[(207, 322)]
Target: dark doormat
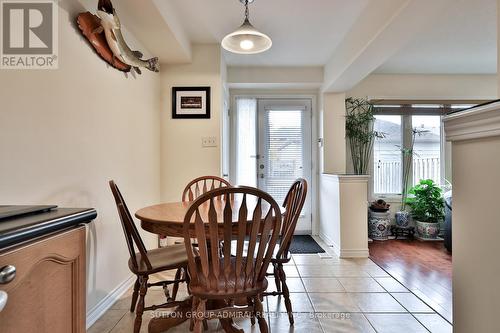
[(305, 244)]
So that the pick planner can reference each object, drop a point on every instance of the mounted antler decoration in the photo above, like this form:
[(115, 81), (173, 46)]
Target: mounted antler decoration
[(104, 33)]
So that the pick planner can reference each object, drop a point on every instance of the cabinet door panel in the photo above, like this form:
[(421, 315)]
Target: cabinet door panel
[(48, 292)]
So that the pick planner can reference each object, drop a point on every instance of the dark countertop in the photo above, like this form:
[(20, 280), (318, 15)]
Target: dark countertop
[(24, 228)]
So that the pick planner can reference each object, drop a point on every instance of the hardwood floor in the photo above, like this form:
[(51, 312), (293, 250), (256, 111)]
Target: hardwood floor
[(423, 267)]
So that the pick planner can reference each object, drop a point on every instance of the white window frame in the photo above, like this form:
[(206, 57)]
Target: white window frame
[(406, 112)]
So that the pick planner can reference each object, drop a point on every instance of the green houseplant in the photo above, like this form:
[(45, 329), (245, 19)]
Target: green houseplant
[(427, 208), (360, 133), (403, 216)]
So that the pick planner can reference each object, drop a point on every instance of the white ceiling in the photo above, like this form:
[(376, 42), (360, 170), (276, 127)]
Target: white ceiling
[(310, 32), (304, 32), (462, 41)]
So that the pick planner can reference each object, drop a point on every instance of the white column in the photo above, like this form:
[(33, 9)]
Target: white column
[(334, 144), (344, 214), (343, 198), (475, 137)]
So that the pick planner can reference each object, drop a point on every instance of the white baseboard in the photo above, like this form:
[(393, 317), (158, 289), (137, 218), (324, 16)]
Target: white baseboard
[(331, 244), (354, 253), (107, 302), (336, 248), (328, 241), (344, 253)]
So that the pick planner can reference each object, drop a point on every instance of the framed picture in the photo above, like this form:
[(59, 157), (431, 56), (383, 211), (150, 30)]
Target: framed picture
[(191, 102)]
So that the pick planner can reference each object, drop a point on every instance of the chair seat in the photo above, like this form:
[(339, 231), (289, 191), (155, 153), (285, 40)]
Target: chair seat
[(222, 288), (162, 259)]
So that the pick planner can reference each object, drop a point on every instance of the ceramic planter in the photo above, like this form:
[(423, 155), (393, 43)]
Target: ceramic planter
[(403, 219), (426, 230), (379, 225)]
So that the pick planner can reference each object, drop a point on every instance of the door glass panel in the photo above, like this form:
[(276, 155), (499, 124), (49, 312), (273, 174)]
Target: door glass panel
[(272, 147), (285, 151), (427, 156), (388, 169), (246, 142)]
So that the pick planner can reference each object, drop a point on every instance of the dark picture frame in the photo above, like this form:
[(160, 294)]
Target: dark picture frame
[(191, 102)]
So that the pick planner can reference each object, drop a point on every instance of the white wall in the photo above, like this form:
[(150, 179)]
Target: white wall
[(275, 77), (225, 122), (335, 157), (65, 133), (446, 87), (426, 86), (182, 156)]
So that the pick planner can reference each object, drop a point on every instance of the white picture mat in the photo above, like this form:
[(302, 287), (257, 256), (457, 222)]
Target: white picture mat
[(202, 110)]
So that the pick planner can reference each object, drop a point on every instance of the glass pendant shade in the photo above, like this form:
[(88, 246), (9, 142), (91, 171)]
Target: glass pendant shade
[(247, 40)]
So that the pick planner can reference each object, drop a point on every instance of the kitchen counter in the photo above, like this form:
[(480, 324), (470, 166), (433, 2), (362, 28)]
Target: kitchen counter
[(43, 271), (20, 229)]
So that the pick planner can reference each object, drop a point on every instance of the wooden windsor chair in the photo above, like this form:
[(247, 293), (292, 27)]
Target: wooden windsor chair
[(202, 185), (293, 203), (199, 186), (214, 273), (144, 263)]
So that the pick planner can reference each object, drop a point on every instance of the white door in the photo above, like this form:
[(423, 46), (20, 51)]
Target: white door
[(284, 150)]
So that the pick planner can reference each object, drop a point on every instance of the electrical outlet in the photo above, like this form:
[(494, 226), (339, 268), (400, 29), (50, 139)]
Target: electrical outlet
[(209, 141)]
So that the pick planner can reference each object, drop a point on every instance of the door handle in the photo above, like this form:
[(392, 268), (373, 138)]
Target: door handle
[(7, 274), (3, 299)]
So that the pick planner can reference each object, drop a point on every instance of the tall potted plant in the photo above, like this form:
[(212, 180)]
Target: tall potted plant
[(403, 216), (427, 208), (360, 133)]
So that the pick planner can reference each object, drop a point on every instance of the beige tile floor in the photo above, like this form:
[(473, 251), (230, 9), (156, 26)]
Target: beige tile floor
[(328, 295)]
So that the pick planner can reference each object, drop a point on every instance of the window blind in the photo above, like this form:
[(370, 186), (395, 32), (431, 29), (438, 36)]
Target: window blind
[(284, 143)]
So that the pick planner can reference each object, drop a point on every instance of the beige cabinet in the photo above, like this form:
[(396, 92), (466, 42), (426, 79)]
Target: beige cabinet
[(47, 293)]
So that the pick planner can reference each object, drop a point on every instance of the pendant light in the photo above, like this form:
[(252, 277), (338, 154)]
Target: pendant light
[(246, 39)]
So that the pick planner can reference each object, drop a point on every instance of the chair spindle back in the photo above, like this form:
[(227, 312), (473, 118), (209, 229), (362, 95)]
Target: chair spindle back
[(294, 202), (212, 264), (202, 185)]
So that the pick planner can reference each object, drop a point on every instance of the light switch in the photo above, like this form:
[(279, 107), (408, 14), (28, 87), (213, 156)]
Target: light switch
[(209, 141)]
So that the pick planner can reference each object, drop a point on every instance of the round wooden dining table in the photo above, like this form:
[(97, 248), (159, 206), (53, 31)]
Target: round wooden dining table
[(167, 219)]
